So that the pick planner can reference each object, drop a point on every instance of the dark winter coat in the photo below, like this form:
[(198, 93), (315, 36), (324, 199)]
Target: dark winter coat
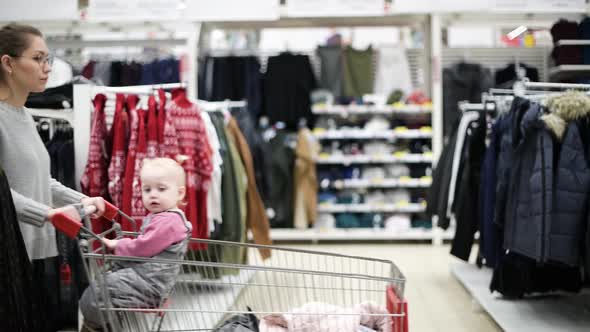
[(572, 182), (505, 155), (530, 199), (259, 148), (488, 230), (564, 230), (545, 216)]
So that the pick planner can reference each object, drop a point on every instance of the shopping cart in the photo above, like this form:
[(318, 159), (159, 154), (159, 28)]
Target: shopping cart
[(293, 287)]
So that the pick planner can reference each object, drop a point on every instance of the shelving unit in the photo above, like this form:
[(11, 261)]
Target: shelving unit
[(407, 158), (344, 121), (345, 110), (572, 42), (353, 234), (404, 182), (569, 71), (401, 207), (362, 134)]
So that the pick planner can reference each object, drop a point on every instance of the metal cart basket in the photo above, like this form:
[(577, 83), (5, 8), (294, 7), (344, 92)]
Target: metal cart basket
[(226, 279)]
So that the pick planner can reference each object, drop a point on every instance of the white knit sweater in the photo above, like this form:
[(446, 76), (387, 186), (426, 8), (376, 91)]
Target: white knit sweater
[(25, 161)]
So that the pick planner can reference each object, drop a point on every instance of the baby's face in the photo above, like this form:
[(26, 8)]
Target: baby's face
[(160, 191)]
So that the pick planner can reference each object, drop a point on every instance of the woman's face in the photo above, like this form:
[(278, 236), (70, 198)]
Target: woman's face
[(31, 69)]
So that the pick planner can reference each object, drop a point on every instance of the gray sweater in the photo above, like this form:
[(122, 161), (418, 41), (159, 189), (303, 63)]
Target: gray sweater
[(27, 165)]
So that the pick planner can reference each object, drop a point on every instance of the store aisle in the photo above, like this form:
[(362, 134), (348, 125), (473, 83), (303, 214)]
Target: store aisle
[(437, 302)]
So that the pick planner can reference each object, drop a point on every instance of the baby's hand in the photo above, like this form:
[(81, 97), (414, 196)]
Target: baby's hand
[(111, 244)]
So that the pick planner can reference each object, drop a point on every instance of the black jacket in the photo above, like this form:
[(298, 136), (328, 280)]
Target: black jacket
[(287, 85), (466, 200), (438, 194), (259, 148), (507, 76), (462, 82), (21, 306)]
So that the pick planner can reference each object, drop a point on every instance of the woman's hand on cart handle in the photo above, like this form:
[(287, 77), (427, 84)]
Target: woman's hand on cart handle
[(68, 210), (111, 244), (94, 206)]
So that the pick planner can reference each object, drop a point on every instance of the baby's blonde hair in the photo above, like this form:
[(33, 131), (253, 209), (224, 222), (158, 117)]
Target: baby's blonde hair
[(169, 165)]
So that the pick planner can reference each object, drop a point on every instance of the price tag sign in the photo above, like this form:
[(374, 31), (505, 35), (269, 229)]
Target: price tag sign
[(232, 10), (400, 154), (379, 205), (405, 179), (377, 180), (378, 156), (135, 10), (401, 129), (426, 129), (402, 204), (539, 6)]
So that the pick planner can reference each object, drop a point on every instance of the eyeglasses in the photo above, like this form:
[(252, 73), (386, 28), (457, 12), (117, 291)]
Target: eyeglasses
[(41, 59)]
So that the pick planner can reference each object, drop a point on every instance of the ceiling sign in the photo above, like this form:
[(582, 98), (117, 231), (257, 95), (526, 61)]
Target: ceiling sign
[(335, 8), (232, 10), (38, 10), (134, 10)]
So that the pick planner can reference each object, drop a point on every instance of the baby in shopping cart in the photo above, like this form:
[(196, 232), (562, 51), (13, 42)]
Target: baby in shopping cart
[(164, 234)]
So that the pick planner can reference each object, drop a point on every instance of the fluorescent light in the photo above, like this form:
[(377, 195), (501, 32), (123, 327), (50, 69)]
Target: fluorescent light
[(517, 32)]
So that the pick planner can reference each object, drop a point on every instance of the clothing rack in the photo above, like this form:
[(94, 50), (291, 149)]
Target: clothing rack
[(212, 106), (549, 85), (190, 40), (138, 89), (80, 116), (464, 107)]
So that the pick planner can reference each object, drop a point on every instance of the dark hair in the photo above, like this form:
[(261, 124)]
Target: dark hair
[(15, 39)]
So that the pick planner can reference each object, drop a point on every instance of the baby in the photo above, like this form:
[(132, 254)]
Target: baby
[(164, 234)]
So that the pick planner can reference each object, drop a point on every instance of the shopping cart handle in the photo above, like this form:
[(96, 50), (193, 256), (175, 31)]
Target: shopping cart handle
[(66, 224), (89, 209), (110, 211)]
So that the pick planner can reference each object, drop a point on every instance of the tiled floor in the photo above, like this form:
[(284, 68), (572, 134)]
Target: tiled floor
[(437, 302)]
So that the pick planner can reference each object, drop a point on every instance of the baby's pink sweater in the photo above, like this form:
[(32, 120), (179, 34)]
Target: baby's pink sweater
[(163, 230)]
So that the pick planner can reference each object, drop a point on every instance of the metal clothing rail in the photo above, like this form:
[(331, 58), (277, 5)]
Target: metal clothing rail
[(556, 85), (137, 89), (212, 106), (464, 107)]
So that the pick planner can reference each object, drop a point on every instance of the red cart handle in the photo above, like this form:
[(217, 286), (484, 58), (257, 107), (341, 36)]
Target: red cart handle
[(68, 225), (110, 211)]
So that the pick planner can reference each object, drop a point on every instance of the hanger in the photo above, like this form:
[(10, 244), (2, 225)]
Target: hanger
[(466, 56)]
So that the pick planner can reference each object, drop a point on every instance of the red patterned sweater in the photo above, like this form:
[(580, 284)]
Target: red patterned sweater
[(193, 143)]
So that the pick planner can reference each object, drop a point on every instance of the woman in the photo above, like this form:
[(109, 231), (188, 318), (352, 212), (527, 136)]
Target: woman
[(25, 64)]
